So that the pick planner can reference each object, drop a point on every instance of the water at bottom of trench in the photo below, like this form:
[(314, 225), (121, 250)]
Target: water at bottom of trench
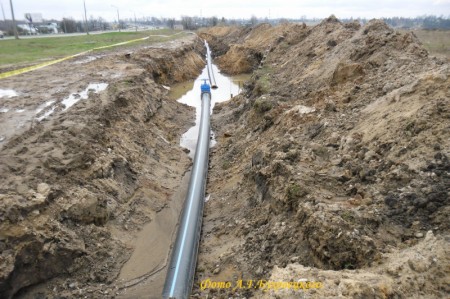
[(189, 93)]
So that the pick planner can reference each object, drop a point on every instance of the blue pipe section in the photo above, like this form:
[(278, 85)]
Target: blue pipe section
[(180, 274)]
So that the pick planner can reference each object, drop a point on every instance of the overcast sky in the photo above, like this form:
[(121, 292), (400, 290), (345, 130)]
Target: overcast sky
[(227, 8)]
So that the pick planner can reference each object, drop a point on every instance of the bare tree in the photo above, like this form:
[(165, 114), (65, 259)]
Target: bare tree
[(68, 25), (187, 23), (170, 23), (213, 21)]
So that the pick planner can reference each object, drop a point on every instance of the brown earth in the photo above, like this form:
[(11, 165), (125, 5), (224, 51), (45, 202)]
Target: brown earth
[(332, 166), (77, 187)]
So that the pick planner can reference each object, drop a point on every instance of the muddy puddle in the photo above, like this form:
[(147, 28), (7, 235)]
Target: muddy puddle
[(144, 273), (75, 97), (16, 114), (7, 93), (189, 93)]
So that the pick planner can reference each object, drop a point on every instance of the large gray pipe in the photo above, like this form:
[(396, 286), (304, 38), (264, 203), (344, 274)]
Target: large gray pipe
[(212, 79), (180, 274)]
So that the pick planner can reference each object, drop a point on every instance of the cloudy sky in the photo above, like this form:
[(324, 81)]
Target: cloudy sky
[(228, 8)]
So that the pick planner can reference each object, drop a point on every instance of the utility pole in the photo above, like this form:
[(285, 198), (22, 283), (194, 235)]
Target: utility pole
[(3, 11), (16, 34), (85, 18), (118, 19)]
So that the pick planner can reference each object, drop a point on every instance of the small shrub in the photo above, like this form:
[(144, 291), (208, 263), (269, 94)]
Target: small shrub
[(348, 216), (262, 85), (226, 164), (295, 191), (262, 105)]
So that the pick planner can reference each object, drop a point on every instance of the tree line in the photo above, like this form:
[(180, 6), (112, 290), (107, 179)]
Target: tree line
[(70, 25), (425, 22)]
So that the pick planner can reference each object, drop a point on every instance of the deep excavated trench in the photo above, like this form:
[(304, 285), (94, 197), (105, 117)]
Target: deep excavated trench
[(122, 148), (143, 274)]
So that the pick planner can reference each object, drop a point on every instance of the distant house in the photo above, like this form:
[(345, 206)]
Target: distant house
[(178, 27)]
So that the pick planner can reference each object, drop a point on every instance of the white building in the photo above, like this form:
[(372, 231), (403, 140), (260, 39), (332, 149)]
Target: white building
[(28, 29), (52, 27)]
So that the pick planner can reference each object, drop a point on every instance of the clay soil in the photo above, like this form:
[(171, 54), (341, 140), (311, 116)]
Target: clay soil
[(78, 186), (332, 166)]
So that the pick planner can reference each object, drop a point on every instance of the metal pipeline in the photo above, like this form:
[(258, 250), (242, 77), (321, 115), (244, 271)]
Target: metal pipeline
[(212, 80), (180, 274)]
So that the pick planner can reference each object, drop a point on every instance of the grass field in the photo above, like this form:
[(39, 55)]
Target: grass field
[(29, 50), (437, 42)]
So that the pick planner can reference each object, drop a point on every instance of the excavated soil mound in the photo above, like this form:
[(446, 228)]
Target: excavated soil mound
[(332, 166)]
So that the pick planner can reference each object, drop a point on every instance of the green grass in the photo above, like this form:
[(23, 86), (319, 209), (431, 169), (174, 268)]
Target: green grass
[(262, 105), (263, 82), (29, 50), (295, 191), (226, 164)]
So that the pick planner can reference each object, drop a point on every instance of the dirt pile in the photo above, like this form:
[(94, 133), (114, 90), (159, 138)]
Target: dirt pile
[(241, 51), (335, 160), (77, 185), (418, 263)]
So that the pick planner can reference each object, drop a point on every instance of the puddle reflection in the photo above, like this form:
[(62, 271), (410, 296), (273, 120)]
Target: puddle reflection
[(189, 93)]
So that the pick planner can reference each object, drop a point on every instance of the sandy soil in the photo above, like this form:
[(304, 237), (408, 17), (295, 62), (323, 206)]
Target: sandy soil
[(332, 167), (79, 182)]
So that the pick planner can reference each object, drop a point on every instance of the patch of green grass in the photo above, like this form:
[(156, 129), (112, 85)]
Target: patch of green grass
[(349, 266), (262, 105), (295, 191), (263, 83), (348, 216), (29, 50), (128, 82), (226, 164)]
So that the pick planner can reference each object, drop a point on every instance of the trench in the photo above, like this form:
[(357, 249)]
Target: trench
[(189, 93), (144, 273)]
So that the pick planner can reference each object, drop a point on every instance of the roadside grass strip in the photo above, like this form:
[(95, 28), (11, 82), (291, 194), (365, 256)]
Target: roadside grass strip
[(45, 64)]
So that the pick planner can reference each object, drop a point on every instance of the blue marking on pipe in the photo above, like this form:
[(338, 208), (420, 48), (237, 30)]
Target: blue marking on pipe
[(205, 87)]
